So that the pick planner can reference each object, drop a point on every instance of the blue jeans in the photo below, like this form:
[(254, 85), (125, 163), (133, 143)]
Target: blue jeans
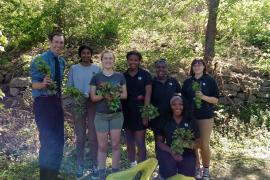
[(49, 117)]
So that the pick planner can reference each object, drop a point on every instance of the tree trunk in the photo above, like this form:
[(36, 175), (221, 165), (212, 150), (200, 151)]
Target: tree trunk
[(210, 35)]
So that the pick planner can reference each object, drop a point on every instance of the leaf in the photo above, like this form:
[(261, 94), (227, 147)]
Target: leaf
[(2, 94)]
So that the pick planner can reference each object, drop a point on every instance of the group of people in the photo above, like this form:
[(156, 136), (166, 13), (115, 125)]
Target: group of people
[(176, 106)]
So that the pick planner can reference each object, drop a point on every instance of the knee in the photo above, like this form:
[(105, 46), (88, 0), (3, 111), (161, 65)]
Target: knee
[(204, 146), (115, 146), (102, 147)]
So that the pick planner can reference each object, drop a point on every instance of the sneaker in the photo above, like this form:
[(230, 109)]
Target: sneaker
[(133, 164), (198, 173), (79, 172), (94, 173), (206, 175)]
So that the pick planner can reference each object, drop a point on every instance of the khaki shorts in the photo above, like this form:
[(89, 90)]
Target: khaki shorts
[(106, 122)]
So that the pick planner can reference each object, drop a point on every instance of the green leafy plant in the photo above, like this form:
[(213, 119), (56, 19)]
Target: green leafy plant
[(197, 87), (149, 112), (79, 104), (182, 138), (44, 69), (2, 95), (111, 94)]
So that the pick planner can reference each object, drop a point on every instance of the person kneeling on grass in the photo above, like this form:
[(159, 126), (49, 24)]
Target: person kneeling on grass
[(169, 162), (109, 118)]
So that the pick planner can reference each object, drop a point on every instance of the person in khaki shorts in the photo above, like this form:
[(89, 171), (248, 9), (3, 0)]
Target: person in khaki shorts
[(79, 77), (108, 122)]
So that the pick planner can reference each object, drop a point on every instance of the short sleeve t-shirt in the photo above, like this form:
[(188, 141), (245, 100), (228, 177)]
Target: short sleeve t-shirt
[(162, 93), (136, 92), (136, 84), (209, 87), (116, 79), (80, 77)]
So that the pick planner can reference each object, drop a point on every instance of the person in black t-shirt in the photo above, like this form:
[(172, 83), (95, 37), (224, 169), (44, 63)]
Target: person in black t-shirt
[(170, 163), (139, 88), (204, 114), (163, 88)]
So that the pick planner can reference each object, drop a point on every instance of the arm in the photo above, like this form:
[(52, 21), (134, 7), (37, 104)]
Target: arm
[(94, 97), (162, 145), (212, 100), (184, 89), (70, 82), (37, 81), (123, 94), (148, 92), (41, 85), (147, 99)]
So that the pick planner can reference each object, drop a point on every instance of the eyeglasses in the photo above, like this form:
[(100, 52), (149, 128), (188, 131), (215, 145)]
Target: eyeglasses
[(198, 63)]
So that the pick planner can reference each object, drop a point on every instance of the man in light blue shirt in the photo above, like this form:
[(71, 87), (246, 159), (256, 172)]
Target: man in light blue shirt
[(48, 111)]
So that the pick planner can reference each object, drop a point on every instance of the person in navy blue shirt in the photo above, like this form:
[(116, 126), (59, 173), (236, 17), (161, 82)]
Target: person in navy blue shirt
[(170, 163), (139, 88), (209, 97), (163, 88), (48, 109)]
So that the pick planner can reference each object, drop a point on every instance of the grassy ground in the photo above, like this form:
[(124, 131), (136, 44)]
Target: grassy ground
[(231, 160)]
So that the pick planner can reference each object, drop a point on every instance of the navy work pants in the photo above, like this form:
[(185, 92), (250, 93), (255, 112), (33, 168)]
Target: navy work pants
[(49, 117), (168, 166)]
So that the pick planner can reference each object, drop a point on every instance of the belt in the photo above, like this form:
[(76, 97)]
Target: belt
[(110, 112), (46, 96)]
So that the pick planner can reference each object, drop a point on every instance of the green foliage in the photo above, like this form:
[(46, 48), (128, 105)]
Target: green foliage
[(197, 87), (79, 101), (2, 94), (44, 69), (111, 94), (149, 112), (3, 41), (182, 138), (238, 123), (247, 20)]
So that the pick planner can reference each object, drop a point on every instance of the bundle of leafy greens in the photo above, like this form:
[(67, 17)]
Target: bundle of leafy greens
[(197, 87), (79, 101), (44, 69), (182, 138), (149, 112), (111, 94)]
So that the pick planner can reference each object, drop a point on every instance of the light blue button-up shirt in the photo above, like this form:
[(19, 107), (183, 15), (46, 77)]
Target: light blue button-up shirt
[(36, 76)]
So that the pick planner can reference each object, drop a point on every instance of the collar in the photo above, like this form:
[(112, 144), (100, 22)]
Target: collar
[(201, 78), (52, 54), (167, 80), (139, 71)]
